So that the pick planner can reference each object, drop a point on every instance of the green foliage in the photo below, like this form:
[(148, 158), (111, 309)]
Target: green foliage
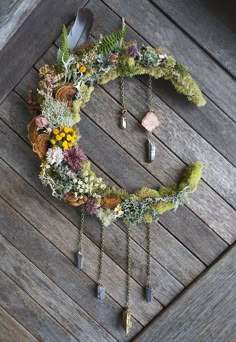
[(65, 52), (110, 41), (191, 176)]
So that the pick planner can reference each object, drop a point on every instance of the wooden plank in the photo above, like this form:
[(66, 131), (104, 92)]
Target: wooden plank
[(158, 30), (49, 295), (61, 270), (202, 246), (210, 24), (12, 15), (11, 330), (29, 313), (206, 311), (52, 225), (32, 39)]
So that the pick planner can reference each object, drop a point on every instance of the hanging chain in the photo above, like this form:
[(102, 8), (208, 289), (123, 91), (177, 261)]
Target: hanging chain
[(101, 254), (148, 255), (150, 94), (122, 93), (128, 266), (81, 230)]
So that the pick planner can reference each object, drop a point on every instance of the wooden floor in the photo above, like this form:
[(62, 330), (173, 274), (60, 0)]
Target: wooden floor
[(43, 296)]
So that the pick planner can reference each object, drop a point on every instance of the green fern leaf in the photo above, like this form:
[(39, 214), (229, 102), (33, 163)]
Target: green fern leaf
[(110, 41), (65, 53)]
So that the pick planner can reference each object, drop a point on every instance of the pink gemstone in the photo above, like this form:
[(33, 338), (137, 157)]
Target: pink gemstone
[(150, 121)]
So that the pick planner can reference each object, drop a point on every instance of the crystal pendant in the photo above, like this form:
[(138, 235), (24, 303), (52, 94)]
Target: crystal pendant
[(148, 293), (79, 260), (123, 119), (151, 149), (127, 319), (101, 292), (150, 121)]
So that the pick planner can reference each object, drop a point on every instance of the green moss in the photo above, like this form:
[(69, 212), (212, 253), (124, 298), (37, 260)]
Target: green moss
[(147, 217), (162, 207), (85, 92), (191, 176), (147, 192)]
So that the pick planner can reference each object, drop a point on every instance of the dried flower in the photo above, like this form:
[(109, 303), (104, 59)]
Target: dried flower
[(91, 206), (54, 155), (41, 121), (113, 57), (57, 113), (133, 50), (74, 157)]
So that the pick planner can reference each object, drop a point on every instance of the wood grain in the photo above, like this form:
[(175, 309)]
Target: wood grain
[(11, 330), (209, 23), (12, 15), (205, 312), (49, 295), (29, 313)]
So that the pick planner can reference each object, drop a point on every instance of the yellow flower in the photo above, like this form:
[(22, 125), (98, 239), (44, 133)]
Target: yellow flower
[(55, 131), (83, 68), (70, 144), (72, 140), (53, 141), (68, 137), (66, 129), (58, 137), (62, 134), (65, 145)]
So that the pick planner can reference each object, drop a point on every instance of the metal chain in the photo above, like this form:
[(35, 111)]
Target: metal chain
[(128, 265), (150, 94), (122, 92), (102, 238), (81, 230), (148, 255)]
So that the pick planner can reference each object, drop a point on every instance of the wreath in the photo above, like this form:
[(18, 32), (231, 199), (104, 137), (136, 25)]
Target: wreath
[(64, 89)]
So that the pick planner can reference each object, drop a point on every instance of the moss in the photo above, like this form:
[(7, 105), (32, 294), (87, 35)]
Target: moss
[(191, 176), (162, 207), (147, 192), (85, 92), (147, 217)]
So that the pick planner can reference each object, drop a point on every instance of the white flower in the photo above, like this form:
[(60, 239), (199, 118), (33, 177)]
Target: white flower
[(54, 155)]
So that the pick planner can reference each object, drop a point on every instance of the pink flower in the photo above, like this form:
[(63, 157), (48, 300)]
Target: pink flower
[(41, 121), (74, 157), (113, 57), (91, 206)]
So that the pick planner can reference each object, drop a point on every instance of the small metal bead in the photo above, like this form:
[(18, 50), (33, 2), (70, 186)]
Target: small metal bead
[(79, 260)]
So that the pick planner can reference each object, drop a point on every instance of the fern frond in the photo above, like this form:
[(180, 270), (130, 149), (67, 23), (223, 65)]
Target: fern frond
[(110, 41), (65, 53)]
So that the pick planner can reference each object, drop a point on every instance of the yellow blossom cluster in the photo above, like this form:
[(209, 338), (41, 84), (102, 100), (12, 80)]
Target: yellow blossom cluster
[(65, 137)]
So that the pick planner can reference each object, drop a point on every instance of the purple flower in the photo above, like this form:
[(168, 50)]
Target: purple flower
[(91, 206), (133, 50), (74, 157)]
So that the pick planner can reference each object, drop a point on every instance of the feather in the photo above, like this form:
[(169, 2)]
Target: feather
[(81, 29)]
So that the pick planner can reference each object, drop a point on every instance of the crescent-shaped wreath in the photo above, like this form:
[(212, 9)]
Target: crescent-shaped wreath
[(64, 89)]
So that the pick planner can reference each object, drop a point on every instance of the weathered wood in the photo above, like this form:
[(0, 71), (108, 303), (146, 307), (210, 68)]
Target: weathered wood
[(12, 15), (158, 30), (52, 225), (11, 330), (29, 313), (49, 295), (210, 243), (62, 271), (206, 311), (43, 25), (209, 23)]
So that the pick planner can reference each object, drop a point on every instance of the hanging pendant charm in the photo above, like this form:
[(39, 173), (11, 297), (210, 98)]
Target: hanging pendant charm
[(79, 260), (123, 119), (101, 292), (148, 293), (127, 319), (151, 149)]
